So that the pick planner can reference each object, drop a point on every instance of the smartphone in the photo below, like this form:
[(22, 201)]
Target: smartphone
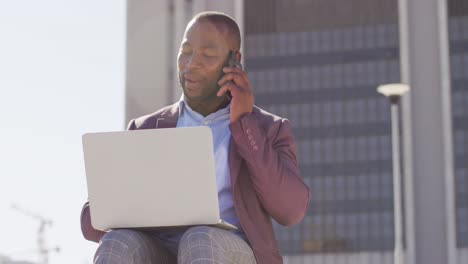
[(232, 62)]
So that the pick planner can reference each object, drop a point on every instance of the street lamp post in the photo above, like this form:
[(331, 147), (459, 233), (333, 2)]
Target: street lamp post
[(394, 92)]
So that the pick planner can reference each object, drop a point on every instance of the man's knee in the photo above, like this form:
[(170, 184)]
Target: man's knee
[(122, 245), (198, 232), (129, 239), (204, 244)]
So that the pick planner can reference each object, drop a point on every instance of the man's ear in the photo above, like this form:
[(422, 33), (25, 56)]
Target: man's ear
[(239, 56)]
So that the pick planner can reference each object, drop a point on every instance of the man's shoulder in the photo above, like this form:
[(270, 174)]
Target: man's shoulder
[(272, 124), (266, 116), (149, 120)]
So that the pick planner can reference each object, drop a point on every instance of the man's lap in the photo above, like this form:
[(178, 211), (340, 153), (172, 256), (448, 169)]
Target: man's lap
[(200, 244)]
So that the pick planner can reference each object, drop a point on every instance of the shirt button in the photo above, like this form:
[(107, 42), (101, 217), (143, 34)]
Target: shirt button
[(250, 137), (252, 142), (206, 122), (255, 148)]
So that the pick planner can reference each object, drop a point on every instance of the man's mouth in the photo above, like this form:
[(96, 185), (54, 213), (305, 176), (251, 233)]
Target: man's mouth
[(191, 80)]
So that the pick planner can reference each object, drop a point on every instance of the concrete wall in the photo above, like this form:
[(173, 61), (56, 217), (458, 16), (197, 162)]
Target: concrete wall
[(147, 57)]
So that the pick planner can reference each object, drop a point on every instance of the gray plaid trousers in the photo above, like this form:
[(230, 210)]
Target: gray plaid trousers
[(198, 245)]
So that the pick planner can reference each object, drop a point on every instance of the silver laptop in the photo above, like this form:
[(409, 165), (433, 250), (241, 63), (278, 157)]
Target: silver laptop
[(152, 178)]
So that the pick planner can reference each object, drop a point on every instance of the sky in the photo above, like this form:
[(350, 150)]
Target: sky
[(62, 74)]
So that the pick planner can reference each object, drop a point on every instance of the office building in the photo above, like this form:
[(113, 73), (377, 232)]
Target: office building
[(318, 63)]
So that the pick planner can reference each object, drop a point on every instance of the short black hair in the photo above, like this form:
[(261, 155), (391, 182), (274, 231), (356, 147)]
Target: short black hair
[(224, 20)]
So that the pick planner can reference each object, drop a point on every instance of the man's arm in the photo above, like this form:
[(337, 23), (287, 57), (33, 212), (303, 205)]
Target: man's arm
[(89, 232), (271, 160), (87, 229)]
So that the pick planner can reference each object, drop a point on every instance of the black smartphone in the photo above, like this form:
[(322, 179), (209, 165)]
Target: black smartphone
[(232, 62)]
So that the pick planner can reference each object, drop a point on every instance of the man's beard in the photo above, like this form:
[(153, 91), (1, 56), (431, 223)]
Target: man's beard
[(208, 91)]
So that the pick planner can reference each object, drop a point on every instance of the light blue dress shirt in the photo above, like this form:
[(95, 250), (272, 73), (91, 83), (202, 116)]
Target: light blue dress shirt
[(219, 124)]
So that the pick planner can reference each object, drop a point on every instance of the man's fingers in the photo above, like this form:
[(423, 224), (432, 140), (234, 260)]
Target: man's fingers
[(225, 78), (232, 69), (237, 78), (222, 91), (225, 88)]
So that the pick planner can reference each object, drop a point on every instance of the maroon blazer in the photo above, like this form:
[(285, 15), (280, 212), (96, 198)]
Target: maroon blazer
[(265, 177)]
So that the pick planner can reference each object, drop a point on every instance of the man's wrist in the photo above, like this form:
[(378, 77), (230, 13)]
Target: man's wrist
[(240, 117), (237, 127)]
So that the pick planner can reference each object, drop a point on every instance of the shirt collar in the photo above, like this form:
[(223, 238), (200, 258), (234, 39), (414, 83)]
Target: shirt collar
[(183, 106)]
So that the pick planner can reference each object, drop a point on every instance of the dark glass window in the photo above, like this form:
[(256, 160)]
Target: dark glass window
[(318, 65), (458, 33)]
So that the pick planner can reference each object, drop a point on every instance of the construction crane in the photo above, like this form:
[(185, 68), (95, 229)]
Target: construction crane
[(43, 251)]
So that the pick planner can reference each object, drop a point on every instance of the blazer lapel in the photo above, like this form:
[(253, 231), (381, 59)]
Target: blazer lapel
[(169, 118)]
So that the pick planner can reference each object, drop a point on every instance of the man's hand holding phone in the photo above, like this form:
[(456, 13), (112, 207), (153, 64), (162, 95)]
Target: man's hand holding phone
[(236, 82)]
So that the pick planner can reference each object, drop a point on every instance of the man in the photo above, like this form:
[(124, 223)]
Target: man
[(255, 153)]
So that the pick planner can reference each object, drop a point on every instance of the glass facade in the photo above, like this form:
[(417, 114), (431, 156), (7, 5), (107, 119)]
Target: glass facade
[(318, 63), (458, 34)]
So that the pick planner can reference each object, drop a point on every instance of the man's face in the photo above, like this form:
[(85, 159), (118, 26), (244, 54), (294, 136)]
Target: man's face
[(202, 56)]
